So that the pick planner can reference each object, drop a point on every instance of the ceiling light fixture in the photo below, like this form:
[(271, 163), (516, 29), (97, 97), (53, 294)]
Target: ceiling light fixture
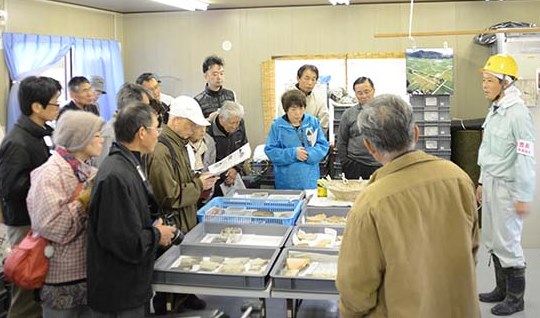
[(336, 2), (190, 5)]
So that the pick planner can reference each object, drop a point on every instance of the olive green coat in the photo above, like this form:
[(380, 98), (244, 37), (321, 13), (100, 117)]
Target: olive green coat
[(410, 243), (179, 189)]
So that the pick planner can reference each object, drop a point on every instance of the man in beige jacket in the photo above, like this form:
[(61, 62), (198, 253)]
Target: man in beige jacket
[(411, 237)]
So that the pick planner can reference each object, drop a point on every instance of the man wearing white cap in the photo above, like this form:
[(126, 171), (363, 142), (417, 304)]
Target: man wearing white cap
[(176, 187)]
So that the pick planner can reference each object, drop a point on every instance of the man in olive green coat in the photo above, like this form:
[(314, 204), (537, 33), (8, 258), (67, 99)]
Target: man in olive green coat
[(411, 237), (176, 187)]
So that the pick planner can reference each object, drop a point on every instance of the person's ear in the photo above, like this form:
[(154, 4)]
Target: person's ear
[(416, 134), (37, 108), (369, 147)]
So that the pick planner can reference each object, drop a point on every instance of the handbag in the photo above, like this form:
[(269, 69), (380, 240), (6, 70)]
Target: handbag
[(27, 264)]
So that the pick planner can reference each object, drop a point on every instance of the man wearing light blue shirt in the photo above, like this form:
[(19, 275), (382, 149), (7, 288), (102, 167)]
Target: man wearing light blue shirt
[(507, 181)]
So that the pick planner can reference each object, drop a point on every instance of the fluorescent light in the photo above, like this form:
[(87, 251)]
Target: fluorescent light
[(190, 5), (335, 2)]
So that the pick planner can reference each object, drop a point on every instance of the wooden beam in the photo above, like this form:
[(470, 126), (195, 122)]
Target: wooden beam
[(462, 32)]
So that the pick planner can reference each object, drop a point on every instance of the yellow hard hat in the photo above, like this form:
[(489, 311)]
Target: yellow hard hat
[(501, 64)]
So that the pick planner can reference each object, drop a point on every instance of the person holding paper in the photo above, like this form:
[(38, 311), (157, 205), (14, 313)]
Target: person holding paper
[(229, 134), (296, 144), (176, 187)]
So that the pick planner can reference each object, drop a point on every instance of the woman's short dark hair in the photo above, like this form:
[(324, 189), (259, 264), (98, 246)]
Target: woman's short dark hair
[(211, 60), (362, 80), (34, 89), (292, 98), (305, 67), (130, 119)]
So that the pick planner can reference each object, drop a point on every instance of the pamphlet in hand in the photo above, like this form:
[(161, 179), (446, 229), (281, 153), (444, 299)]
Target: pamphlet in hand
[(240, 155)]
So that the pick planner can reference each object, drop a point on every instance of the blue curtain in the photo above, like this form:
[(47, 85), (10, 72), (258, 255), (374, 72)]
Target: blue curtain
[(103, 58), (30, 54), (26, 55)]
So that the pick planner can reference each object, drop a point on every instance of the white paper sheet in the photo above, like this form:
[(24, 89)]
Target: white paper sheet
[(240, 155)]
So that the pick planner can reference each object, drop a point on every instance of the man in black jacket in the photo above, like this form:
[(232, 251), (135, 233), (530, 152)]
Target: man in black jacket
[(214, 94), (82, 96), (229, 134), (25, 148), (123, 237)]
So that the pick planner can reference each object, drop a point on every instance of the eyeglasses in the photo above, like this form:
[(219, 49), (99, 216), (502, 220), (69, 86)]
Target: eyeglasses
[(364, 92), (158, 130), (53, 104)]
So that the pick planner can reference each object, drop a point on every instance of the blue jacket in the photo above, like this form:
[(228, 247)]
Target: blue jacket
[(281, 144)]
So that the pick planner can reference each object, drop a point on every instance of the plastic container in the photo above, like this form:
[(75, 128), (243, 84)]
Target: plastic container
[(336, 212), (299, 283), (293, 207), (433, 114), (434, 143), (429, 129), (197, 235), (164, 274), (310, 229), (268, 194)]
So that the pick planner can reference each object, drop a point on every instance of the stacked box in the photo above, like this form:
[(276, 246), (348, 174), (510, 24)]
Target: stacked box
[(432, 115)]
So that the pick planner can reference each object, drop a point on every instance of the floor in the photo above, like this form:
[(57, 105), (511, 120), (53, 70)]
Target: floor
[(276, 308)]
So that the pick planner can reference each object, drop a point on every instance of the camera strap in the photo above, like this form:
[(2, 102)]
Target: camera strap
[(130, 157)]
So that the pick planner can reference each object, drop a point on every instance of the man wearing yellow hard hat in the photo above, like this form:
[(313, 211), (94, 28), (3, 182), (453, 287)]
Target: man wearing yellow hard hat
[(507, 181)]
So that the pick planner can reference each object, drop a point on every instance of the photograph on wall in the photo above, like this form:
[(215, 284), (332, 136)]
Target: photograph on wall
[(430, 71)]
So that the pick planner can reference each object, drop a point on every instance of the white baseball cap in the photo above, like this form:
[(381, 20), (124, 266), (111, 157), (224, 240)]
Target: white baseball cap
[(187, 107)]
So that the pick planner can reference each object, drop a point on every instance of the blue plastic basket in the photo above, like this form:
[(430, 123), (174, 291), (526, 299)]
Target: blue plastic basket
[(294, 206)]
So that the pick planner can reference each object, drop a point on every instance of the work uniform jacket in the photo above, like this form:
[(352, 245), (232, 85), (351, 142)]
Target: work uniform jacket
[(122, 242), (22, 150), (177, 190), (410, 243)]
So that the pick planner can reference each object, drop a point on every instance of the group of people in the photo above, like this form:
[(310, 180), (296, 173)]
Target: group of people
[(110, 197), (411, 239)]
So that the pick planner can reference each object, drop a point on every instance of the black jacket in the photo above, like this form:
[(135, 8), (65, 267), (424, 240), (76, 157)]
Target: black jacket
[(225, 145), (122, 242), (71, 106), (22, 150), (210, 101)]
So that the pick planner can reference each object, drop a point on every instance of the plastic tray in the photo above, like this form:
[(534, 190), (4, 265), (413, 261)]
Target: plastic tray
[(429, 129), (294, 206), (302, 284), (329, 211), (198, 233), (267, 194), (312, 229), (434, 143), (163, 274)]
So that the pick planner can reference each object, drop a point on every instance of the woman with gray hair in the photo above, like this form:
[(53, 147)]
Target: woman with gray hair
[(57, 204), (229, 134)]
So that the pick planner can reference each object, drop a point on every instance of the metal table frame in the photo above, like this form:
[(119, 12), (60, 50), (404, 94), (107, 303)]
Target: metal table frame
[(293, 299)]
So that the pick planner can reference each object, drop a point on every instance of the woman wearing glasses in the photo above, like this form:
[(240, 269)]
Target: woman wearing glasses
[(356, 161)]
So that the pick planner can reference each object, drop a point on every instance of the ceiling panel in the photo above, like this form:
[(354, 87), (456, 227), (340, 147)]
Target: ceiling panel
[(139, 6)]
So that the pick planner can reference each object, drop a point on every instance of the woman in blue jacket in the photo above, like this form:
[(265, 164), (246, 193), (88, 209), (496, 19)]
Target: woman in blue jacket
[(296, 144)]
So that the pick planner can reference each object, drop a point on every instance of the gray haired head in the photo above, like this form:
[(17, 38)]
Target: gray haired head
[(231, 110), (387, 123), (129, 93)]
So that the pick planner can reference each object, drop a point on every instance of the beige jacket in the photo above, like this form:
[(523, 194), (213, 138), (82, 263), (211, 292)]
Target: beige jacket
[(410, 243)]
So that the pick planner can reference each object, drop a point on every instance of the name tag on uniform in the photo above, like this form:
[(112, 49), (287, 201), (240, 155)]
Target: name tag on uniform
[(525, 147)]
